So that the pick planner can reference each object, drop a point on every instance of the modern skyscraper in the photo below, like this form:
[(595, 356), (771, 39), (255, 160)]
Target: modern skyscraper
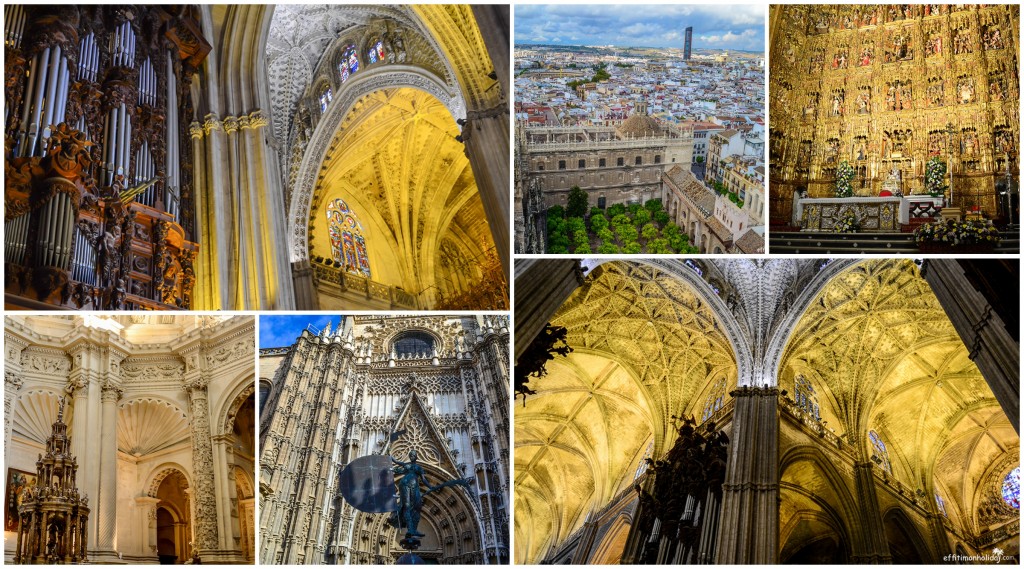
[(687, 43)]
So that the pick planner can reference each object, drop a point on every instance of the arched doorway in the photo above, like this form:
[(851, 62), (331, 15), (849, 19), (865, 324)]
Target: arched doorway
[(166, 537), (173, 518)]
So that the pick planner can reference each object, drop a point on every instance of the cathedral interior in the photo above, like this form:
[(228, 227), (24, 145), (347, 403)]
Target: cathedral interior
[(387, 385), (870, 407), (886, 88), (256, 157), (159, 412)]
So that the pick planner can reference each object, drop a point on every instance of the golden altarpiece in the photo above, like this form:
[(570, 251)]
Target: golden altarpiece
[(99, 211), (886, 88)]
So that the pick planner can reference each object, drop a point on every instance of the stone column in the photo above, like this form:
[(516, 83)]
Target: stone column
[(302, 281), (147, 521), (750, 495), (873, 546), (12, 382), (486, 136), (107, 502), (541, 287), (968, 291), (204, 522), (248, 542), (227, 520)]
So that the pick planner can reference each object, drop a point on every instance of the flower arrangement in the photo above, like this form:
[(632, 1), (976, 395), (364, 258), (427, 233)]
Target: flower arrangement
[(847, 223), (935, 176), (954, 233), (844, 180)]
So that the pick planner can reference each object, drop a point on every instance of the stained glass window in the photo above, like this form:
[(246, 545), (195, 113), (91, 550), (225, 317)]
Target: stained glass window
[(376, 52), (642, 467), (414, 344), (325, 98), (349, 63), (881, 455), (942, 505), (806, 398), (714, 401), (1011, 488), (348, 245)]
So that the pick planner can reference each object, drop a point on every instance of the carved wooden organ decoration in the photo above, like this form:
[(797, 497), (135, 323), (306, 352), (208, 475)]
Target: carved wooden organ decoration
[(894, 78), (99, 208)]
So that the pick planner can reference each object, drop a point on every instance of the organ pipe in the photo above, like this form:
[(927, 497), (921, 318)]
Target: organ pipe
[(53, 247)]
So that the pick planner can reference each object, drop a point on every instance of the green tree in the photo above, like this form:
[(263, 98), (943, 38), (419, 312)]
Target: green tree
[(633, 208), (616, 209), (598, 222), (653, 205), (626, 233), (658, 246), (661, 217), (574, 224), (556, 211), (608, 249), (632, 248), (621, 219), (606, 235), (557, 249), (595, 211), (578, 202), (700, 160), (670, 230), (649, 231), (583, 248), (641, 217)]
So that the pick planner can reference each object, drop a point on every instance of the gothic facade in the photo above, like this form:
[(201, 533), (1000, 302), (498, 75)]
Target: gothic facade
[(160, 417), (439, 384), (886, 88), (257, 157), (869, 411)]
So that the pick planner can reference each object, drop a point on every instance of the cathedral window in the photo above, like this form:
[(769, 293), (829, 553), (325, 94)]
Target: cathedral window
[(325, 98), (941, 504), (413, 344), (642, 467), (348, 244), (583, 163), (881, 453), (620, 162), (349, 63), (561, 164), (639, 160), (657, 158), (714, 401), (376, 52), (264, 394), (1011, 488), (601, 162)]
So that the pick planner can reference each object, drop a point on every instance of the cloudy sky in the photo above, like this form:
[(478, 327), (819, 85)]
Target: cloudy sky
[(715, 26), (281, 331)]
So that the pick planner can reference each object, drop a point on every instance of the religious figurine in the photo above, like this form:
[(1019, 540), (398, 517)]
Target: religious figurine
[(863, 103), (410, 498), (966, 91), (865, 57)]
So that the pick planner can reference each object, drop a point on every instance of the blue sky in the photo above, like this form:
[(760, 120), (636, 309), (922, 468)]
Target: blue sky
[(715, 26), (281, 331)]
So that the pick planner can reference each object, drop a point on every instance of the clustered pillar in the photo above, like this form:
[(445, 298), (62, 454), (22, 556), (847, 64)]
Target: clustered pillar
[(750, 494)]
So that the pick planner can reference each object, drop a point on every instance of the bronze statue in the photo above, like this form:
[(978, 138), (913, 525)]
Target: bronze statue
[(410, 498)]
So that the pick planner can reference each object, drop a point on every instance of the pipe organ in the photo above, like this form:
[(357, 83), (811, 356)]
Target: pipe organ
[(99, 206)]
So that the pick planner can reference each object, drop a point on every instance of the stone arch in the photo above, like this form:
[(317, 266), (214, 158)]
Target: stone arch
[(240, 389), (897, 526), (840, 516), (389, 340), (158, 473), (392, 76), (613, 542)]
